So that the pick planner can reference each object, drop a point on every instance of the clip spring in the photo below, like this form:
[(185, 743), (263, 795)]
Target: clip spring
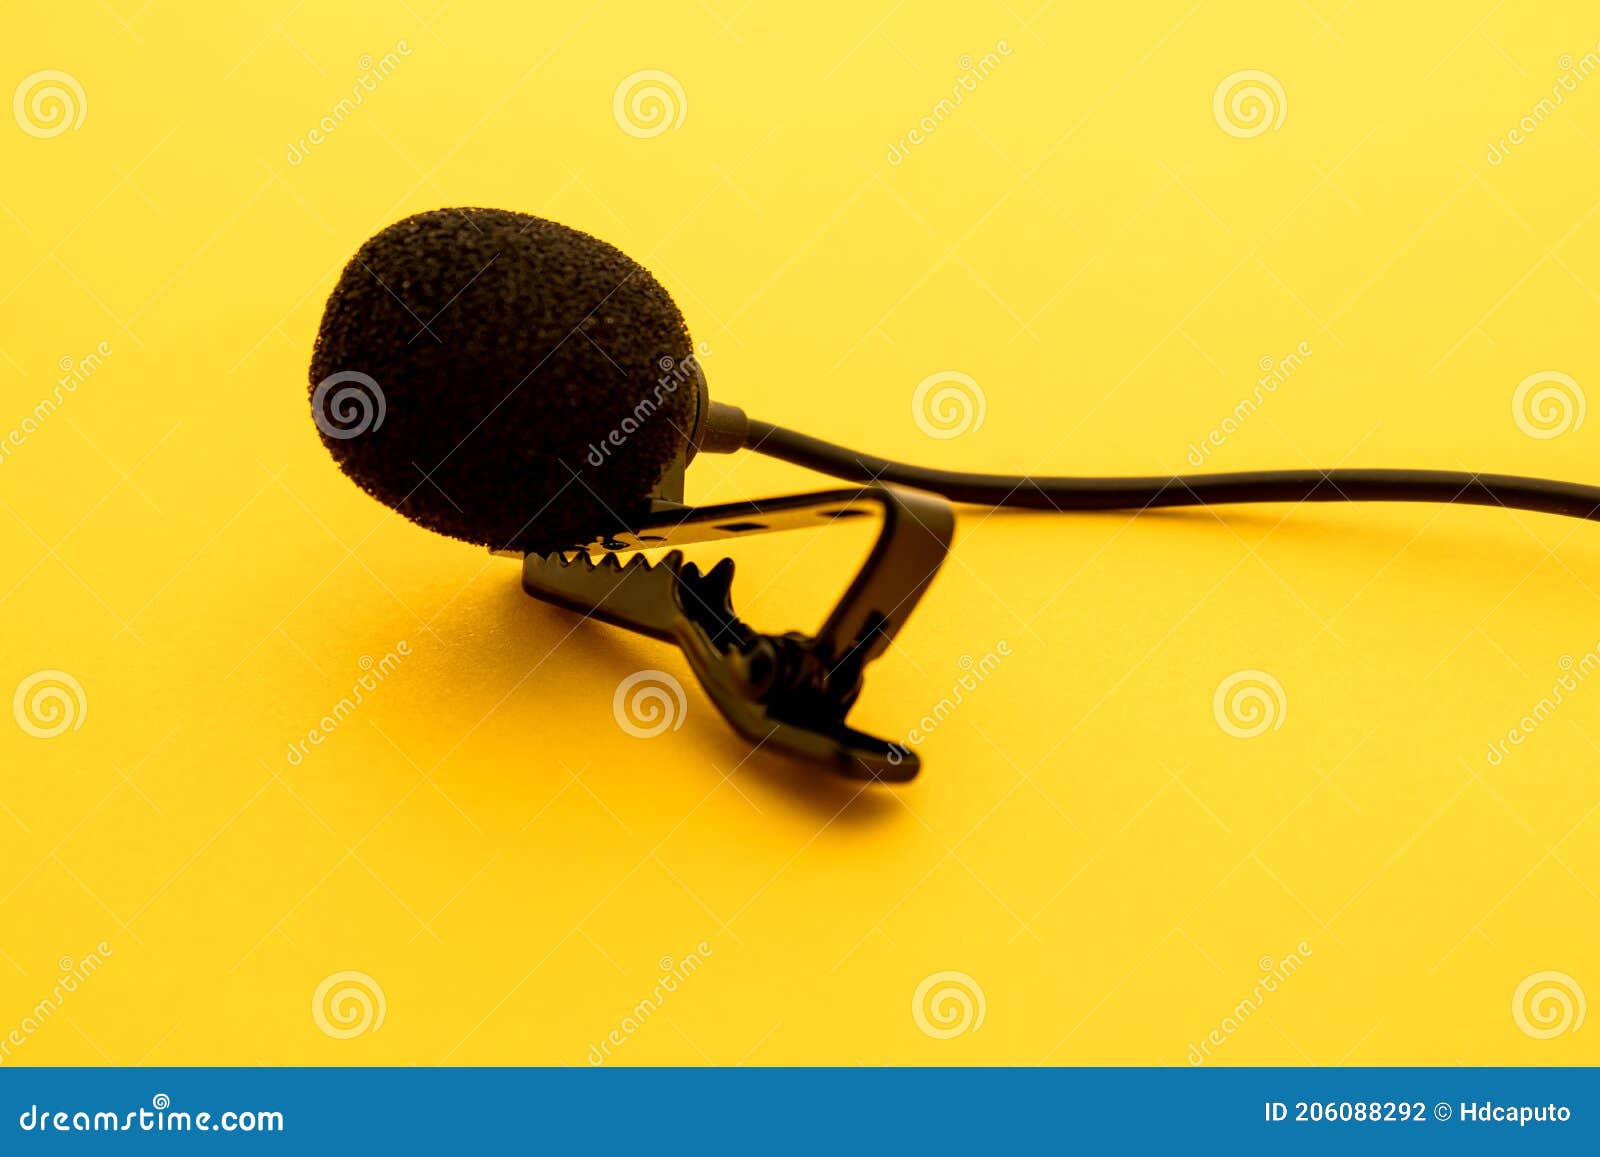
[(790, 691)]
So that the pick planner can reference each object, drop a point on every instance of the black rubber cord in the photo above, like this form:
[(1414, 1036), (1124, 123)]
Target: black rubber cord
[(1028, 493)]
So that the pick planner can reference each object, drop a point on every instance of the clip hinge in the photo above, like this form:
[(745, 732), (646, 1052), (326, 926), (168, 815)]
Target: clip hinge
[(791, 691)]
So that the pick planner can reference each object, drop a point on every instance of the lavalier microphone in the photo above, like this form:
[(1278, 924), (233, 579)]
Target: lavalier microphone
[(519, 384)]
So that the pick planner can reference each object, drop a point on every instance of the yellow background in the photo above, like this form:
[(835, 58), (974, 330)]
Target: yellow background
[(1083, 239)]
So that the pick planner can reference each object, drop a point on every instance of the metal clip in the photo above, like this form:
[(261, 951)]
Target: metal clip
[(790, 691)]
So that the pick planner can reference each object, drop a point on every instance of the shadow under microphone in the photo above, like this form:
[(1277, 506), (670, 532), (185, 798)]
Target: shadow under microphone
[(521, 385)]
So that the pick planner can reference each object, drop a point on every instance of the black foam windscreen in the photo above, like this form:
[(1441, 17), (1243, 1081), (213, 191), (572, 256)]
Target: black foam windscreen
[(503, 379)]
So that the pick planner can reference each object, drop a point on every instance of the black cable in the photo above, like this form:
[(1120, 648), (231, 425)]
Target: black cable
[(1024, 492)]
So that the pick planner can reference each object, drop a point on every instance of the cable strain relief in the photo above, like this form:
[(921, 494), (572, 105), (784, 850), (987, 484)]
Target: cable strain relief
[(724, 429)]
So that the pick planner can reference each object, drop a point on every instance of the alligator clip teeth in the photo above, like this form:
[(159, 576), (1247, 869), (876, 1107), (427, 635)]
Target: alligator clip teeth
[(791, 691)]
